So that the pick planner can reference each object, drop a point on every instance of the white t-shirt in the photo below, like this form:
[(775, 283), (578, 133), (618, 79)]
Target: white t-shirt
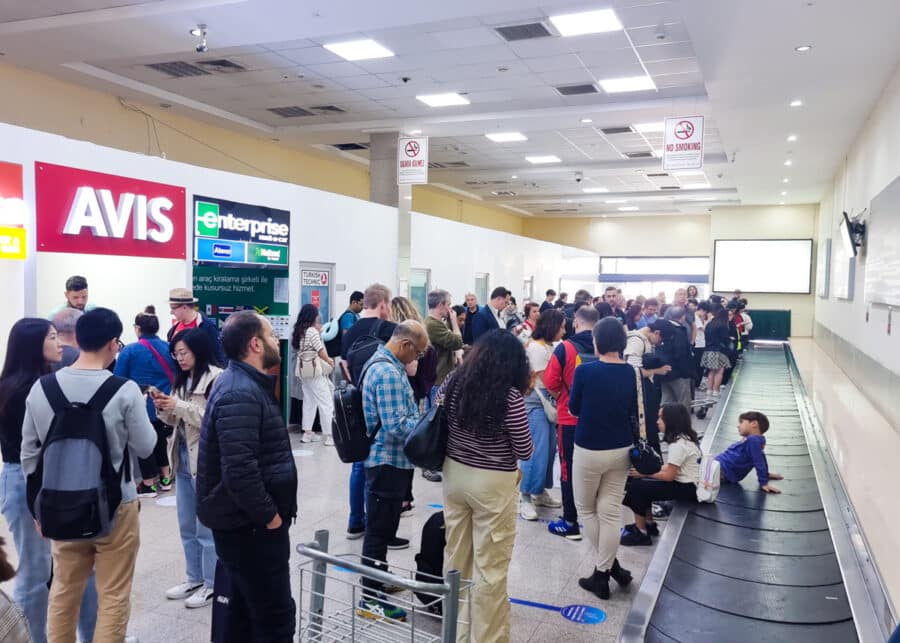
[(700, 337), (539, 355), (685, 455)]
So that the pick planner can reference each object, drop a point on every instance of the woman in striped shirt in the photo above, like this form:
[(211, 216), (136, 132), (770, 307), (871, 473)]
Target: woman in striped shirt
[(488, 435)]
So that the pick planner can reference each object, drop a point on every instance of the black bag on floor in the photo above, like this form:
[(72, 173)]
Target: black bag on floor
[(430, 559)]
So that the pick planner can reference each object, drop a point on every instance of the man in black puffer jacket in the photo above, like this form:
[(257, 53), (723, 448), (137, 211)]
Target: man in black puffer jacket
[(247, 483)]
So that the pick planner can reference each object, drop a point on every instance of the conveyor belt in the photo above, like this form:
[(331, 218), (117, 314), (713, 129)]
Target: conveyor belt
[(752, 566)]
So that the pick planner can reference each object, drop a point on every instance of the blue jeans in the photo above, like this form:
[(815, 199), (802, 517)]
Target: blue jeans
[(31, 583), (196, 539), (357, 495), (537, 475)]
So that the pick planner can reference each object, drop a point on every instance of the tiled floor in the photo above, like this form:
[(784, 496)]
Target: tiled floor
[(544, 568)]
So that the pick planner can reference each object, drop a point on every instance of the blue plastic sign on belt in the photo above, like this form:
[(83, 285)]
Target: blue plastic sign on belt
[(584, 614), (435, 505), (221, 250)]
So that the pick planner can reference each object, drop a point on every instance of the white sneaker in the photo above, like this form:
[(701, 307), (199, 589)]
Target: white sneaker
[(180, 592), (316, 437), (200, 598), (527, 510), (544, 499), (305, 439), (329, 441)]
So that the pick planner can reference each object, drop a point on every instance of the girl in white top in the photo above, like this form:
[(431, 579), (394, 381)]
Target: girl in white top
[(677, 480), (313, 368)]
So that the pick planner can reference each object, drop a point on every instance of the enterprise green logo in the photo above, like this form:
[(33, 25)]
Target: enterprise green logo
[(207, 219)]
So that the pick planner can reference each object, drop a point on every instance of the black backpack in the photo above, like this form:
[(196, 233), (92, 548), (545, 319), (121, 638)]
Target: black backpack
[(362, 350), (430, 559), (74, 491), (351, 436)]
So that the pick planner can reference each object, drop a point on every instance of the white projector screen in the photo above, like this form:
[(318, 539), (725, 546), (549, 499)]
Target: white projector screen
[(763, 265)]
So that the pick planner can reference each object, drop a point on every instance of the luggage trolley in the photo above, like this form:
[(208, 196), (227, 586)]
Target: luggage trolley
[(328, 611)]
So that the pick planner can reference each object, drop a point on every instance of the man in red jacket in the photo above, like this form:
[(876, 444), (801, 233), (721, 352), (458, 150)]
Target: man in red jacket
[(558, 379)]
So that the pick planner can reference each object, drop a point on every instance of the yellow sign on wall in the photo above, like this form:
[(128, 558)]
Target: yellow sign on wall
[(12, 243)]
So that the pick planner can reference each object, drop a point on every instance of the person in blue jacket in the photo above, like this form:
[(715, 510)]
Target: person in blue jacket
[(149, 363), (747, 454), (490, 317)]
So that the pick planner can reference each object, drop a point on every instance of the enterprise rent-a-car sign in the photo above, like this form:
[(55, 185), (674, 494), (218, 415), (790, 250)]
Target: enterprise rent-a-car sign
[(239, 233)]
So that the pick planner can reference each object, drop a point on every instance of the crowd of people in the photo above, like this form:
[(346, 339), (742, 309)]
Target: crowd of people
[(197, 411)]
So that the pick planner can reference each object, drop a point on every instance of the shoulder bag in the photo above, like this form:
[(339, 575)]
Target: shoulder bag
[(547, 401), (426, 444), (644, 458)]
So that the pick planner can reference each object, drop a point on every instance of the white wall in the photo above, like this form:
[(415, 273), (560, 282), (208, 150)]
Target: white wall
[(777, 222), (456, 251), (870, 166)]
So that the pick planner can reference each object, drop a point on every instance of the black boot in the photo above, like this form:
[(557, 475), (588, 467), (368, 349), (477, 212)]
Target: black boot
[(619, 574), (597, 584)]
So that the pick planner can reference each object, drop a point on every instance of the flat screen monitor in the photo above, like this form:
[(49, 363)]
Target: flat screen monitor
[(763, 266), (847, 236)]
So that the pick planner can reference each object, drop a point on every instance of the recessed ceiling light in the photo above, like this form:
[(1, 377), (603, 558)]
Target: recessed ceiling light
[(803, 48), (792, 138), (443, 100), (587, 120), (785, 180), (784, 194), (650, 128), (415, 131), (788, 163), (617, 201), (781, 203), (796, 103), (595, 190), (507, 137), (681, 173), (630, 84), (196, 31), (696, 186), (514, 176), (602, 216), (547, 158), (568, 200), (629, 208), (578, 24), (359, 50)]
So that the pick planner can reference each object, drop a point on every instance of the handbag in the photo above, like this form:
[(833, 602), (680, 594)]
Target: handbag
[(548, 403), (644, 458), (708, 486), (426, 444)]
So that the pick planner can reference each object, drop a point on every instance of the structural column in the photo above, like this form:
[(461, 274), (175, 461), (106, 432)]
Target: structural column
[(383, 189)]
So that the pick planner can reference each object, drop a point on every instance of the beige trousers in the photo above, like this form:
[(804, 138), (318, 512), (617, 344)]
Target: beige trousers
[(113, 556), (598, 484), (480, 516)]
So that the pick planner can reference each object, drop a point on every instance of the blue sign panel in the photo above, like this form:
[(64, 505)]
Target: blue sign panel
[(583, 614), (220, 250)]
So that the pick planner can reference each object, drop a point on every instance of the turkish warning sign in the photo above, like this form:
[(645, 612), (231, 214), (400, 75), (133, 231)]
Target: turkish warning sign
[(683, 148), (412, 160)]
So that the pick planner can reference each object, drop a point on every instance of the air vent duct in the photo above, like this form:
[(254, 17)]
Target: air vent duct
[(222, 66), (456, 164), (528, 31), (656, 175), (178, 69), (639, 155), (670, 187), (626, 129), (290, 112), (504, 193), (350, 147), (576, 90), (333, 109)]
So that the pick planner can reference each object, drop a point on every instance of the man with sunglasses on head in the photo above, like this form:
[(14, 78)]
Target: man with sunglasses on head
[(183, 306), (391, 414)]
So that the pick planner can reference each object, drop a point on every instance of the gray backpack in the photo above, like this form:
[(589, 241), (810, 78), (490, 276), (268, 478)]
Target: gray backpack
[(74, 491)]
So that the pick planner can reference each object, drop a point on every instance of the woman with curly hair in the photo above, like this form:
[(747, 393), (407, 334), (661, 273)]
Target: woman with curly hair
[(487, 436)]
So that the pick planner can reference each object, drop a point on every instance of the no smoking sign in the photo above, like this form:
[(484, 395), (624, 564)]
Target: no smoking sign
[(683, 147), (412, 160)]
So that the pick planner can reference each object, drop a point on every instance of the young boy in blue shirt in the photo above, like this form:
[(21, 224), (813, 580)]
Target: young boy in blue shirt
[(747, 454)]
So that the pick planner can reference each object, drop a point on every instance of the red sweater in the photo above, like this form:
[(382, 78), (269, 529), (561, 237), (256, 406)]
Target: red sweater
[(560, 372)]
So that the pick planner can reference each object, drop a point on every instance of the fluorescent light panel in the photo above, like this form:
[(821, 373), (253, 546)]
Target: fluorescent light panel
[(507, 137), (617, 201), (650, 128), (630, 84), (578, 24), (595, 190), (443, 100), (538, 160), (359, 50), (629, 208)]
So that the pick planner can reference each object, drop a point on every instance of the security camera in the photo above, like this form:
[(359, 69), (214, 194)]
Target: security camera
[(202, 48), (579, 177), (660, 32), (406, 79), (200, 32)]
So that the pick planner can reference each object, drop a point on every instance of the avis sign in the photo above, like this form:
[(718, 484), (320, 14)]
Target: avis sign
[(93, 213), (412, 160), (683, 148)]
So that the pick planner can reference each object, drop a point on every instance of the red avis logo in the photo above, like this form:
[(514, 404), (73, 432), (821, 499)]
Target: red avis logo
[(93, 213), (98, 211)]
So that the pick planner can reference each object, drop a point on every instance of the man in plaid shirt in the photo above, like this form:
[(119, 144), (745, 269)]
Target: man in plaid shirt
[(390, 408)]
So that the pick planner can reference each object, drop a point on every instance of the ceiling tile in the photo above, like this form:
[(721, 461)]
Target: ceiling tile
[(464, 38), (675, 66), (394, 65), (673, 32), (368, 81), (540, 47), (648, 14), (567, 77), (551, 63), (337, 70), (597, 42), (654, 53), (310, 56)]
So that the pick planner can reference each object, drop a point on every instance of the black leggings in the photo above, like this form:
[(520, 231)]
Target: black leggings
[(150, 467), (640, 493)]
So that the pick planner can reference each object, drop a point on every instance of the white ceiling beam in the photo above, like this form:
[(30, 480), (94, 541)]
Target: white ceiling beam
[(675, 196), (591, 167)]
